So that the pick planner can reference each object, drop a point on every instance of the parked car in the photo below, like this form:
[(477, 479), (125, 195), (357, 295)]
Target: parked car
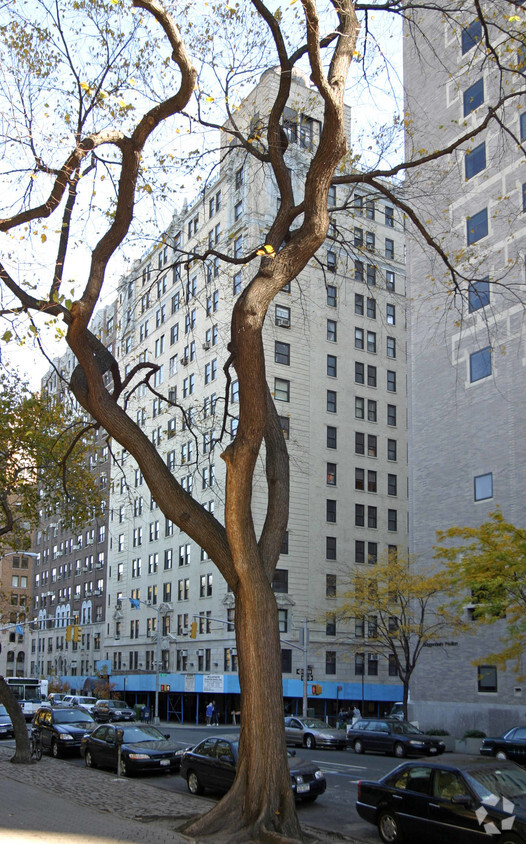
[(112, 710), (390, 735), (470, 800), (61, 729), (144, 748), (512, 745), (212, 764), (79, 700), (6, 726), (55, 698), (312, 732)]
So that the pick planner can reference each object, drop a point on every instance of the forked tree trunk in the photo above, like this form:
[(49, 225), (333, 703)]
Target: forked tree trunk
[(260, 804), (14, 710)]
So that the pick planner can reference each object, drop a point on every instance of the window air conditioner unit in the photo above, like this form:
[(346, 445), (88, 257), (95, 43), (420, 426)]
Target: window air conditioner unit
[(206, 345), (283, 322), (184, 361)]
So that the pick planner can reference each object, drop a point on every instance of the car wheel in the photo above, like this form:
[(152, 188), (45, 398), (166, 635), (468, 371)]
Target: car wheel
[(501, 754), (509, 838), (399, 750), (388, 827), (358, 746), (309, 742), (88, 759), (192, 781), (55, 751)]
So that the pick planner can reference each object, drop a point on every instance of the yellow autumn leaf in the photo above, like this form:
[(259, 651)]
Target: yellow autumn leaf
[(209, 99), (84, 86), (43, 238), (267, 249)]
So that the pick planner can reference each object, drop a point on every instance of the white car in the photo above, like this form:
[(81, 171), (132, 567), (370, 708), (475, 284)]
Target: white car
[(79, 700)]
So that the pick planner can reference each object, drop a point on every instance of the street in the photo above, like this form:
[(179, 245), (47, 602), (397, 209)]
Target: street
[(333, 812)]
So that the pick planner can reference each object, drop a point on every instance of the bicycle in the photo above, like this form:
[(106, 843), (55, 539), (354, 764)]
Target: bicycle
[(35, 745)]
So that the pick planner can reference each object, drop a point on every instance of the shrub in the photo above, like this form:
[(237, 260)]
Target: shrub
[(474, 734), (437, 731)]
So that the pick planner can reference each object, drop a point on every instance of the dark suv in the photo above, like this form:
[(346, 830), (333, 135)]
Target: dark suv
[(61, 730), (112, 710), (390, 735)]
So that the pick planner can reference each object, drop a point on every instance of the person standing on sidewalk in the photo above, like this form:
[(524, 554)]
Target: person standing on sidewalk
[(209, 711)]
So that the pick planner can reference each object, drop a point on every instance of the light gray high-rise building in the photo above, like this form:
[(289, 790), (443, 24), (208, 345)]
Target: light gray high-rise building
[(467, 382)]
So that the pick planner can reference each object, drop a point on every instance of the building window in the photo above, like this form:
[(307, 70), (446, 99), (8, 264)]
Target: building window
[(358, 268), (280, 581), (471, 35), (330, 625), (389, 248), (331, 401), (331, 474), (358, 304), (390, 314), (330, 586), (393, 666), (283, 618), (477, 226), (475, 160), (359, 515), (391, 449), (331, 261), (331, 296), (281, 389), (372, 517), (487, 678), (358, 236), (371, 341), (389, 216), (331, 366), (359, 407), (282, 353), (371, 308), (371, 376), (330, 662), (391, 381), (286, 661), (370, 241), (239, 178), (371, 410), (330, 547), (391, 484), (391, 415), (523, 126), (483, 487), (331, 436), (480, 364), (473, 97), (330, 507), (359, 665), (391, 347), (331, 330), (478, 295), (282, 317), (285, 426), (359, 372), (390, 280), (358, 338), (371, 275), (392, 520), (369, 209)]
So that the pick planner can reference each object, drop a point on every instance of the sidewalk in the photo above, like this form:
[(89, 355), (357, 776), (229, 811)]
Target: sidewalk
[(52, 802)]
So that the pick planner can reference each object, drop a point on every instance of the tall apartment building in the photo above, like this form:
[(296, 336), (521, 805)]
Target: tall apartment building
[(69, 583), (16, 633), (335, 345), (467, 355)]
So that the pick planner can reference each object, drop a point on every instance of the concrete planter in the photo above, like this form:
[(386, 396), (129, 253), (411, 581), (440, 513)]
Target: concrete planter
[(449, 741), (468, 745)]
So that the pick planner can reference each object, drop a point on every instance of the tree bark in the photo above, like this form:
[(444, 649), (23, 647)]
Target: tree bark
[(14, 710)]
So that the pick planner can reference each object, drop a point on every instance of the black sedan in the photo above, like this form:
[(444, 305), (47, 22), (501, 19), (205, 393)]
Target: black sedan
[(143, 748), (212, 764), (512, 745), (6, 727), (61, 730), (390, 735), (470, 800), (112, 710)]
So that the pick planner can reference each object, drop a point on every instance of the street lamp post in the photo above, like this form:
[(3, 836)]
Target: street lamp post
[(162, 610)]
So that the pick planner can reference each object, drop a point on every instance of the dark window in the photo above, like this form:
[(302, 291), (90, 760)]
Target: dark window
[(285, 426), (478, 295), (475, 160), (487, 678), (286, 661), (391, 485), (359, 665), (331, 401), (391, 347), (371, 275), (477, 226), (371, 410), (330, 662), (285, 543), (483, 487), (372, 481), (372, 517), (330, 547), (331, 510), (372, 445), (330, 626), (359, 442), (389, 248), (371, 376), (282, 353), (331, 474), (480, 364), (331, 366), (471, 35), (359, 551), (359, 372), (330, 586), (389, 216), (359, 478), (359, 515), (331, 296), (331, 262), (280, 581), (358, 338), (393, 666), (371, 308), (371, 341), (331, 330), (392, 520), (473, 97), (391, 381), (331, 437), (523, 126), (358, 304), (372, 553), (358, 266), (391, 449), (391, 414)]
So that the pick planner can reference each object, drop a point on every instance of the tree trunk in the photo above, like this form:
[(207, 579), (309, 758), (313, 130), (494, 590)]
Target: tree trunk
[(14, 710), (260, 804)]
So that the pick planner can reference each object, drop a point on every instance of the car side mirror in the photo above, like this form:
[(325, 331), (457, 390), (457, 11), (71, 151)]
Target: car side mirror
[(167, 735), (461, 800)]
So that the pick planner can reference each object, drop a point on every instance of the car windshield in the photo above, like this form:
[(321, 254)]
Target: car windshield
[(116, 704), (314, 724), (135, 734), (499, 782), (72, 716), (404, 728), (3, 710)]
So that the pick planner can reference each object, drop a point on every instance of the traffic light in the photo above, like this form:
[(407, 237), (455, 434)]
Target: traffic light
[(164, 687), (316, 689), (77, 632), (193, 630), (69, 632)]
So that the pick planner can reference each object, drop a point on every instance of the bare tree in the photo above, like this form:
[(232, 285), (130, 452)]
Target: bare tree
[(107, 134)]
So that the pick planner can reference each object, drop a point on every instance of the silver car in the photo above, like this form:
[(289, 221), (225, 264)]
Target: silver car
[(312, 732)]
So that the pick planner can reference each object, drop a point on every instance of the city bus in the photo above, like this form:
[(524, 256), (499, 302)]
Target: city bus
[(29, 692)]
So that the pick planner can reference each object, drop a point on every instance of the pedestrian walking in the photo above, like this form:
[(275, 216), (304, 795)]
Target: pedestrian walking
[(215, 714), (356, 715), (209, 711)]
